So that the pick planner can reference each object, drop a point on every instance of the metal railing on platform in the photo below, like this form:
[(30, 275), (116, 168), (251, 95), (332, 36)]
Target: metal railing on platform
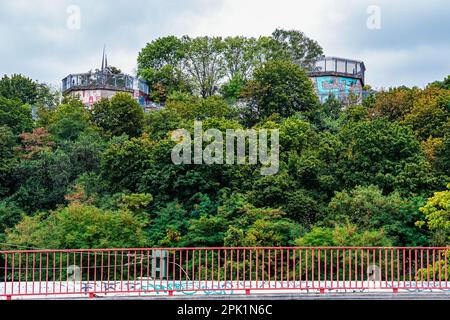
[(188, 271)]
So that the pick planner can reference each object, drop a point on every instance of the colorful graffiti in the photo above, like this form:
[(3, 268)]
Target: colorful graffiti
[(145, 287), (340, 87)]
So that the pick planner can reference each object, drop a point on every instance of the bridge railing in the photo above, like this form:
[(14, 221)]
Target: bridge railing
[(170, 271)]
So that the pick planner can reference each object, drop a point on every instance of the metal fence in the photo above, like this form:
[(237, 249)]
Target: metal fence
[(172, 271)]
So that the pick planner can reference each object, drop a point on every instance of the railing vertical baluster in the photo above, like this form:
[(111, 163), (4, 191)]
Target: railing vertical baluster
[(404, 268), (257, 267), (434, 268), (313, 279), (319, 275), (300, 268), (445, 267), (206, 269), (428, 267), (410, 273), (276, 268), (421, 267), (439, 264), (282, 266), (331, 269), (6, 274), (325, 266), (263, 265), (362, 267), (306, 267), (350, 268), (415, 267), (343, 267)]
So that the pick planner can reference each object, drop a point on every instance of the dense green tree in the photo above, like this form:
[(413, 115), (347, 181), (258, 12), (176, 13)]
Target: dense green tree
[(348, 174), (369, 209), (239, 54), (41, 182), (203, 63), (233, 89), (159, 63), (430, 113), (15, 115), (69, 120), (385, 154), (85, 153), (158, 124), (172, 219), (195, 108), (26, 91), (345, 235), (119, 115), (279, 87), (445, 84), (79, 226), (393, 104), (10, 215), (436, 216), (261, 227), (8, 159), (301, 49), (124, 162)]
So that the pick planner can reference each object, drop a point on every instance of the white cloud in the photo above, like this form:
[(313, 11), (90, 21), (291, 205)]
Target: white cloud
[(411, 47)]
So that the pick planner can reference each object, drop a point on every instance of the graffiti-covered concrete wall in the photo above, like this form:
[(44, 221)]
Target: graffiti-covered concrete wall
[(89, 97), (340, 87)]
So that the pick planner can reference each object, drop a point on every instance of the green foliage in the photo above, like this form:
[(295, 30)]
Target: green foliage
[(232, 90), (119, 115), (79, 226), (158, 124), (41, 183), (159, 64), (345, 235), (385, 154), (69, 120), (26, 91), (8, 161), (15, 115), (348, 174), (280, 87), (301, 49), (261, 227), (194, 108), (168, 220), (10, 215), (437, 213), (369, 209), (200, 65), (393, 104), (430, 112), (136, 202), (445, 84), (124, 162)]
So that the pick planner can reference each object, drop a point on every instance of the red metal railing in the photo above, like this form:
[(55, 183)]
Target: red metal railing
[(189, 271)]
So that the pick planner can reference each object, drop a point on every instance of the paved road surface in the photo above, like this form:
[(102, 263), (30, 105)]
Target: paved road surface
[(296, 296)]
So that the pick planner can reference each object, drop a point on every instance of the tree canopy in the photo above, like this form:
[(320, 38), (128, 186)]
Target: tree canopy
[(371, 174)]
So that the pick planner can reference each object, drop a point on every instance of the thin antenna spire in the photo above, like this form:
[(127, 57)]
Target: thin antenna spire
[(103, 57)]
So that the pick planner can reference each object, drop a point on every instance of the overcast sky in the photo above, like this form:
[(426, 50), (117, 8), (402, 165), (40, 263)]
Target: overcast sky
[(41, 38)]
